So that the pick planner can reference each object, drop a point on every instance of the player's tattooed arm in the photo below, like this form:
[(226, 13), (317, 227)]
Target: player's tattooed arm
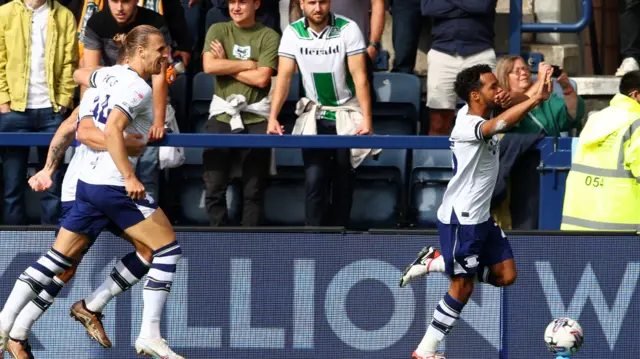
[(509, 118), (62, 139), (295, 12)]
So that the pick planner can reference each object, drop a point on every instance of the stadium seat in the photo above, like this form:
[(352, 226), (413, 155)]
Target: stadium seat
[(179, 92), (379, 193), (200, 100), (284, 199), (399, 90), (430, 174)]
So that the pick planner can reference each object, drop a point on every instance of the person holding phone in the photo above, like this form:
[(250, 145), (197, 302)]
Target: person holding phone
[(553, 117)]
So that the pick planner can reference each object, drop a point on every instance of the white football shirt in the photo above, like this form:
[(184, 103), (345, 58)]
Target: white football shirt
[(70, 181), (475, 170), (322, 59), (130, 94)]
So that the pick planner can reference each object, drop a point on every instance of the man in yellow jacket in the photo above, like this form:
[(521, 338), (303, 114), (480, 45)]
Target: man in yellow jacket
[(38, 54), (602, 190)]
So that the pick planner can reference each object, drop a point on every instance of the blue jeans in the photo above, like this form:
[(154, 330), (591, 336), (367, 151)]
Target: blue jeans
[(147, 171), (14, 167)]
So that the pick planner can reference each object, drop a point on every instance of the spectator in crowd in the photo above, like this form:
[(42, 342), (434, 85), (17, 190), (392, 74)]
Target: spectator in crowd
[(38, 54), (99, 45), (629, 36), (243, 55), (368, 14), (268, 13), (323, 62), (405, 33), (171, 10), (602, 188), (462, 36), (553, 116)]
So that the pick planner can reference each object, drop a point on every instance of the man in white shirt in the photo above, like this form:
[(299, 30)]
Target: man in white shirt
[(474, 248), (330, 52), (38, 53)]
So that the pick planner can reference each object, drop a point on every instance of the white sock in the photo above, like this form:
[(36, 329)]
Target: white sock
[(30, 283), (157, 288), (126, 273), (437, 265), (100, 297), (34, 310), (444, 319), (20, 296), (430, 342)]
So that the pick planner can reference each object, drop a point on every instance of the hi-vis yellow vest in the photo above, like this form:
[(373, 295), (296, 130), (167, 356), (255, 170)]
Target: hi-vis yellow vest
[(602, 190), (90, 7)]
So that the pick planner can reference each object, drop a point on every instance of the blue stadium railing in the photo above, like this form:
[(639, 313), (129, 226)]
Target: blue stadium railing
[(554, 164), (517, 27)]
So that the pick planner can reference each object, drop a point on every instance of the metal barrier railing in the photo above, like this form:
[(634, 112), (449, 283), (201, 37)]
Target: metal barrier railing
[(517, 27), (555, 155)]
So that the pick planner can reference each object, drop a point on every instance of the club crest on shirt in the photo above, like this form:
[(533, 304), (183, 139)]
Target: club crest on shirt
[(242, 52)]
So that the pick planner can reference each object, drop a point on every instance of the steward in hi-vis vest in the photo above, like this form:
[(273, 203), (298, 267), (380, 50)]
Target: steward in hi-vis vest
[(602, 190)]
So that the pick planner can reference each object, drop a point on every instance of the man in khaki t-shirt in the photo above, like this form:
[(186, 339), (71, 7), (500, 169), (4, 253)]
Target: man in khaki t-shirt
[(243, 55)]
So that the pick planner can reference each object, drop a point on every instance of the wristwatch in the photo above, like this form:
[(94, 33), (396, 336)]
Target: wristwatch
[(62, 110), (376, 45)]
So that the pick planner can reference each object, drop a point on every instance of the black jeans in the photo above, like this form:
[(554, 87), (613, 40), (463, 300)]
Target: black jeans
[(218, 163), (406, 29), (630, 29), (328, 182)]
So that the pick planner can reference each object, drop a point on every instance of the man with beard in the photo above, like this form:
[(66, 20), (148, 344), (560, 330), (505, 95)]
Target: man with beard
[(99, 45), (330, 52)]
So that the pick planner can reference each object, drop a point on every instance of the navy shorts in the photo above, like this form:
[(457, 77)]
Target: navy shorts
[(100, 207), (466, 248), (66, 209)]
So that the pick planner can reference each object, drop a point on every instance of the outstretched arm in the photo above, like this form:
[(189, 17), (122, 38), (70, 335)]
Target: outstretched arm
[(509, 118)]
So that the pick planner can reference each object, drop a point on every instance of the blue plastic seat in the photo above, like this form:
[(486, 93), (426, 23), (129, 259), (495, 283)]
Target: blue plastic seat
[(178, 91), (201, 96), (284, 202), (430, 174), (380, 190), (398, 94)]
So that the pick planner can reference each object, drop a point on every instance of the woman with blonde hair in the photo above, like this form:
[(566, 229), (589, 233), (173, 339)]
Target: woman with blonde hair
[(551, 117)]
